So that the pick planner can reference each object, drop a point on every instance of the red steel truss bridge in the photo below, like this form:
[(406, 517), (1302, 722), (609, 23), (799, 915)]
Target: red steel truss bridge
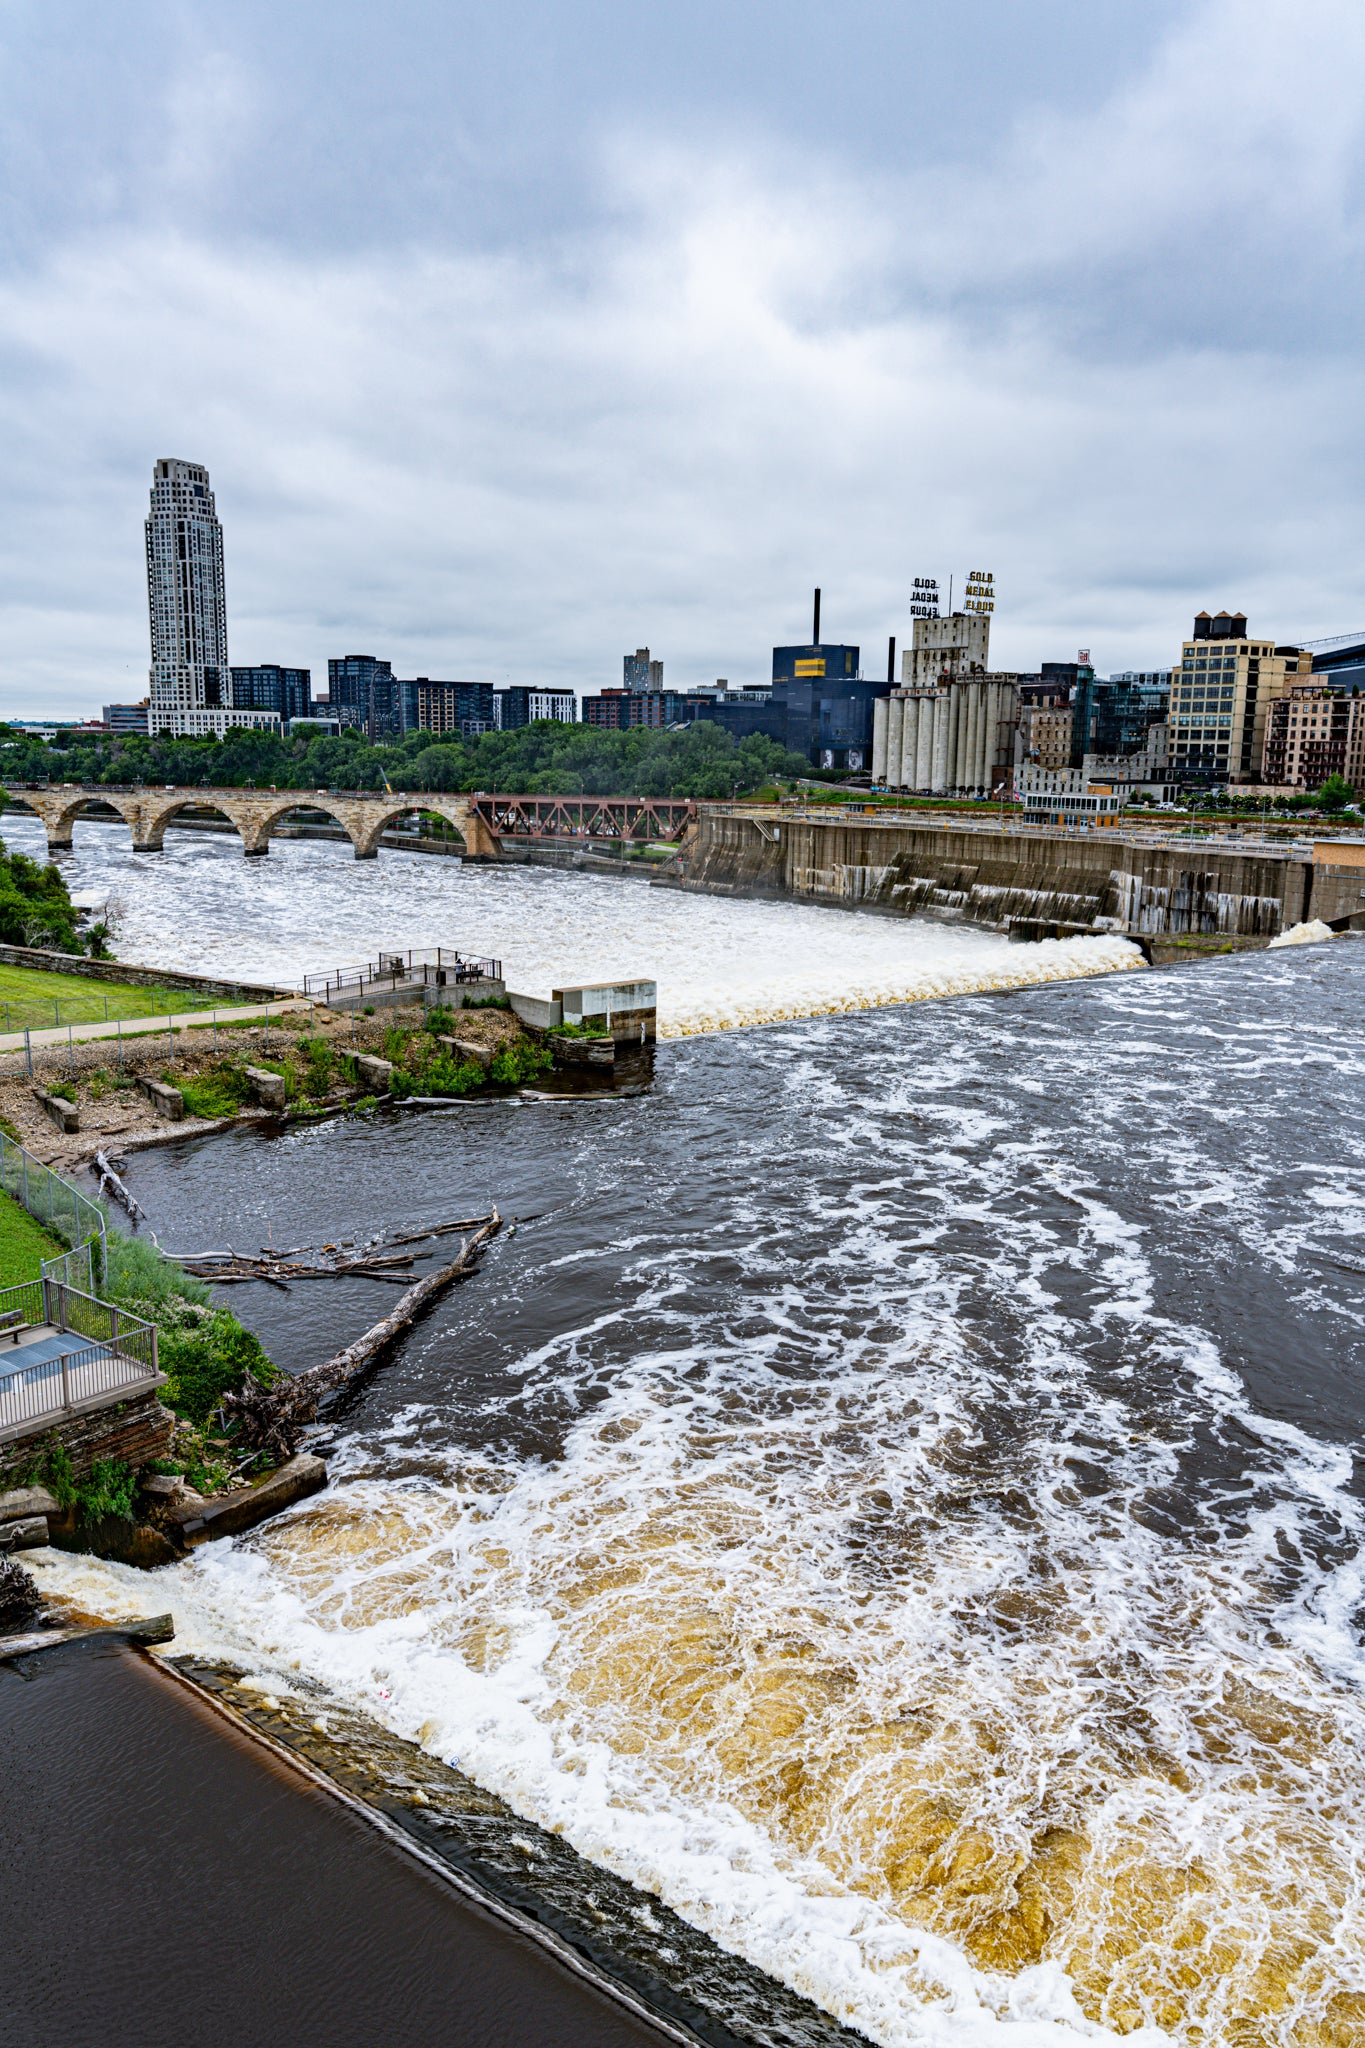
[(580, 818)]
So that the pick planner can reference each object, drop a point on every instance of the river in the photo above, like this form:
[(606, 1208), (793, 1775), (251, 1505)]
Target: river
[(894, 1497)]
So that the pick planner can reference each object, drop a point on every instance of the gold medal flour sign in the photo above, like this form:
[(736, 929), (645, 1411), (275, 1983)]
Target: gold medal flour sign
[(979, 595)]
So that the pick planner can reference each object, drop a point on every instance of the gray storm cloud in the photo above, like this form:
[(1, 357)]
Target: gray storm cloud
[(1106, 353)]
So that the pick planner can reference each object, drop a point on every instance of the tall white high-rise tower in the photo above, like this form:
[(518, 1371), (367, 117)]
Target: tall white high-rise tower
[(191, 682)]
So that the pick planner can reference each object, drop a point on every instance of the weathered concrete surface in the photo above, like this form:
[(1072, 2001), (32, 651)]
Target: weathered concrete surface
[(58, 1110), (26, 1501), (137, 1430), (165, 1100), (245, 1506), (373, 1073), (269, 1089), (1339, 883), (363, 816), (28, 1534), (465, 1048), (989, 878)]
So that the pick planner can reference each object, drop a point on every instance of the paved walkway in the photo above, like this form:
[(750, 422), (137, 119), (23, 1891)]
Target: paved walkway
[(142, 1027)]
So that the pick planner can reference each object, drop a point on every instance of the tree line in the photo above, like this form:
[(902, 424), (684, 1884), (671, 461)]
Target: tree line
[(544, 759)]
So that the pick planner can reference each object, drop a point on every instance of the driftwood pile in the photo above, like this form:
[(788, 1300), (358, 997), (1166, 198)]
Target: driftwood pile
[(273, 1419), (378, 1260)]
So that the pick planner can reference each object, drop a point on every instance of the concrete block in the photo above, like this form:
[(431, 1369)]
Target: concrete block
[(372, 1073), (266, 1088), (26, 1501), (165, 1100), (245, 1506), (465, 1049), (64, 1114), (532, 1010)]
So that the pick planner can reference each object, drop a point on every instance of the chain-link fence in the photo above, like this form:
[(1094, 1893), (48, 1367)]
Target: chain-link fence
[(65, 1211)]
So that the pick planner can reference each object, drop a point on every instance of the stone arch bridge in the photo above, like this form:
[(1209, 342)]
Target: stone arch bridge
[(363, 815)]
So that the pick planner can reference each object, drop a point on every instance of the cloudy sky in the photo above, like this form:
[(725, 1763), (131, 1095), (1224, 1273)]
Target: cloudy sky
[(518, 336)]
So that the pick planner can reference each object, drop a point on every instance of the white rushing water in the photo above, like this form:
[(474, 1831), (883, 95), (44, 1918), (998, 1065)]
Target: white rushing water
[(906, 1587), (309, 905)]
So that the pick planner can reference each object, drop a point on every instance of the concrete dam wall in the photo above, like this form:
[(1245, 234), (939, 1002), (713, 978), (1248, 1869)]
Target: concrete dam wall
[(1026, 880)]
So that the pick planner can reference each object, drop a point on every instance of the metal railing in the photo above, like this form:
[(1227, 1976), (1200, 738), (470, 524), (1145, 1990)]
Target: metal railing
[(1014, 826), (63, 1208), (436, 967), (40, 1382)]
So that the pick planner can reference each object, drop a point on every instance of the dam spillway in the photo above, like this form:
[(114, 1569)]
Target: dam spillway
[(1006, 878)]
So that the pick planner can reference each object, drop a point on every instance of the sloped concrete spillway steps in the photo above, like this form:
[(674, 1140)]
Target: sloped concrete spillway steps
[(1088, 882)]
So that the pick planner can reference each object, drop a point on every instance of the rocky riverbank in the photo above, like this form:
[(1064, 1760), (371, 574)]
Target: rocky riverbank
[(115, 1085)]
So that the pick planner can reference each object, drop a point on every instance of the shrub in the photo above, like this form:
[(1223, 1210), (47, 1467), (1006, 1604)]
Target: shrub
[(220, 1091), (206, 1353), (513, 1064), (317, 1074), (109, 1490), (447, 1076)]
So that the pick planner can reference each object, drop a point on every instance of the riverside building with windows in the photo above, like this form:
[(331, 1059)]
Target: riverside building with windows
[(1221, 694), (287, 692), (191, 682), (520, 705), (448, 707), (1312, 732)]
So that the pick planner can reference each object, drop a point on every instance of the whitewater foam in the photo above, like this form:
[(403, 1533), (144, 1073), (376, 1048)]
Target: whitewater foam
[(902, 1582), (720, 963)]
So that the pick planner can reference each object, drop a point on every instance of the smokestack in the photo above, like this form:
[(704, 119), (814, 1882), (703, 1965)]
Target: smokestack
[(891, 659), (815, 636)]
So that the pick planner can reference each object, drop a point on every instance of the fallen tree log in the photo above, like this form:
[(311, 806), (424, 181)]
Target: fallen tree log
[(272, 1419), (109, 1179)]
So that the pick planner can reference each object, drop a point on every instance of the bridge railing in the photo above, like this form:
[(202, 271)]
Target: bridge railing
[(116, 1353), (434, 967), (613, 818)]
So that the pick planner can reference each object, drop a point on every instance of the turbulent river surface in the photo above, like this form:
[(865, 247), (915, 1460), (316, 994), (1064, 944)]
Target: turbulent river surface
[(893, 1498), (311, 905)]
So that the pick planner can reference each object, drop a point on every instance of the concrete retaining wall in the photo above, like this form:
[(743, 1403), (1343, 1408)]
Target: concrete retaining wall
[(136, 1430), (137, 977), (991, 878)]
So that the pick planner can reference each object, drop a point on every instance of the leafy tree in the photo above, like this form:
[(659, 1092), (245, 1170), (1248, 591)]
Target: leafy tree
[(543, 759), (1336, 793), (35, 909)]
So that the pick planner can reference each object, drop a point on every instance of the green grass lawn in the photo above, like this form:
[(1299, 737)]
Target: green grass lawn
[(24, 1244), (34, 997)]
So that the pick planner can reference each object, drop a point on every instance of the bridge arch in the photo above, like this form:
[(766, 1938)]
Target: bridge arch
[(363, 816), (258, 818), (456, 811), (148, 813)]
